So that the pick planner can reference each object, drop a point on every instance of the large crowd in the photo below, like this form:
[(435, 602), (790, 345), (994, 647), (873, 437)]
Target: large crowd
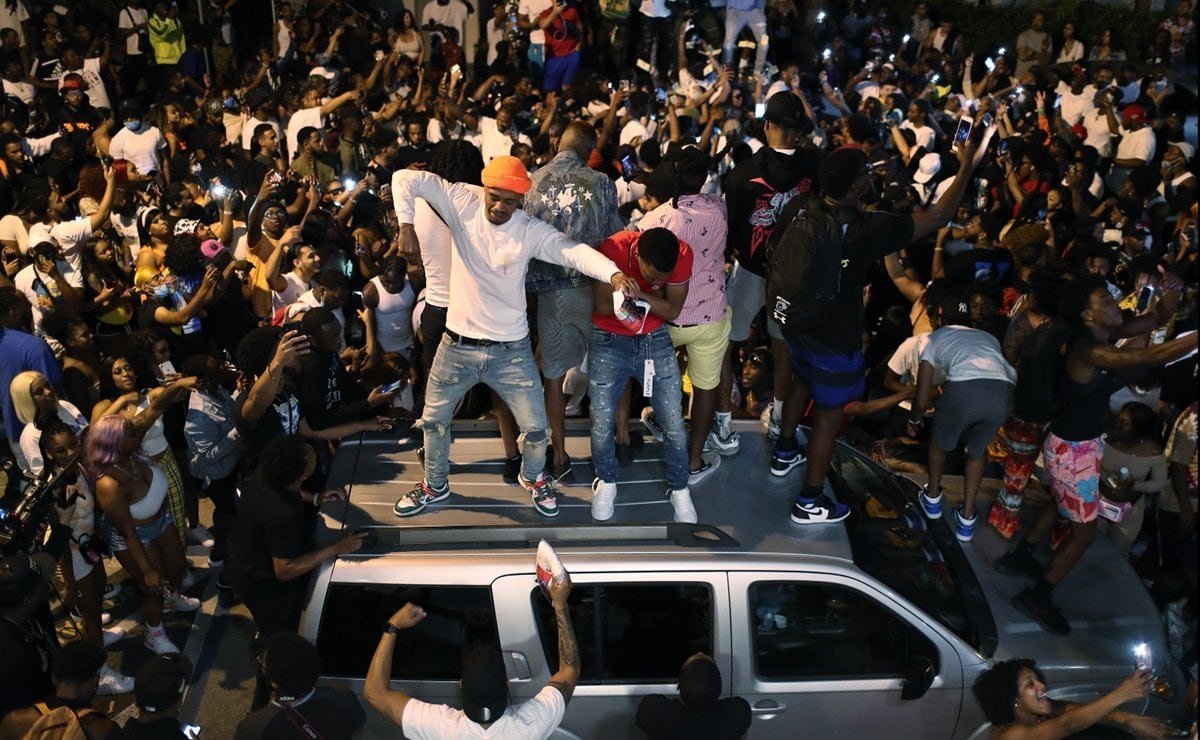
[(231, 240)]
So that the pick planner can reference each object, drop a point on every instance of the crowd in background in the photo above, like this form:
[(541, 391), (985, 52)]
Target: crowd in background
[(204, 250)]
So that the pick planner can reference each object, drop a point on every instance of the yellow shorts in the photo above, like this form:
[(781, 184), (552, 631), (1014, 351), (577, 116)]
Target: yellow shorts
[(706, 345)]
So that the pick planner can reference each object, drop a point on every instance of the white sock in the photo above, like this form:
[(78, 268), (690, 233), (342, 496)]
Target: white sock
[(776, 409), (724, 417)]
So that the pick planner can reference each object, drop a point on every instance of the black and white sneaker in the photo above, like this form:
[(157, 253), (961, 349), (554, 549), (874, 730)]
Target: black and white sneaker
[(782, 461), (818, 511)]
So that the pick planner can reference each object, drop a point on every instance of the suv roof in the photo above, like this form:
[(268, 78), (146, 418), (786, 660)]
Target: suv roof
[(482, 510)]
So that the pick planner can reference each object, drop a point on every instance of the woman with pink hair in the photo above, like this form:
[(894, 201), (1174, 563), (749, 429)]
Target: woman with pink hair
[(132, 492)]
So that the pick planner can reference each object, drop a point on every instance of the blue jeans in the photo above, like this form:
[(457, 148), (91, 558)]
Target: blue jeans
[(508, 368), (612, 360)]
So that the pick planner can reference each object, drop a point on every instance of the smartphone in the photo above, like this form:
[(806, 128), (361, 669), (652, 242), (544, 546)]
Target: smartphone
[(760, 110), (962, 133), (1004, 146), (218, 191), (296, 326), (986, 120), (1058, 102), (393, 387), (827, 53), (1143, 660), (1144, 297), (628, 167), (356, 300), (990, 64), (167, 369), (378, 55), (662, 95)]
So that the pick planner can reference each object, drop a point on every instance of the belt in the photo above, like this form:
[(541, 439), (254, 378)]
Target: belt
[(456, 338)]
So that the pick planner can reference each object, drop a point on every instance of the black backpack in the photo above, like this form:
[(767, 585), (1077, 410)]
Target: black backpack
[(804, 269)]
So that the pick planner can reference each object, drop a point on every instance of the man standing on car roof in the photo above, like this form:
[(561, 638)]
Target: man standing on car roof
[(487, 335)]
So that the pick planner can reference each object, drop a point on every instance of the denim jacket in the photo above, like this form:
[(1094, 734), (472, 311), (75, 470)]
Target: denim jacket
[(214, 445)]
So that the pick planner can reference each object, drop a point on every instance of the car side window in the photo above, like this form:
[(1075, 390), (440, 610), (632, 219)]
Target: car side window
[(631, 633), (355, 614), (807, 631)]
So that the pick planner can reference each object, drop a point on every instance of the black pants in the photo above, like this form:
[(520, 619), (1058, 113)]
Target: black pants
[(433, 326), (275, 607)]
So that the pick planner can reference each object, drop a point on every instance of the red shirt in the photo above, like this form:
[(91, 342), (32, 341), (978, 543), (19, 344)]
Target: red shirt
[(621, 248), (562, 33)]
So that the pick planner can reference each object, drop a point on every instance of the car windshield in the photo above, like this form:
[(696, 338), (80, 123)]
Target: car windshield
[(893, 542)]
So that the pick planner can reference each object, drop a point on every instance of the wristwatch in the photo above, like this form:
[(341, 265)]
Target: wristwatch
[(391, 629)]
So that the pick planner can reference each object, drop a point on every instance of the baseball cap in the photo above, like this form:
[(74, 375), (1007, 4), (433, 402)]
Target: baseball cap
[(484, 684), (1186, 149), (210, 248), (1133, 113), (929, 166), (72, 82), (785, 109), (507, 173), (40, 234), (161, 681), (19, 577)]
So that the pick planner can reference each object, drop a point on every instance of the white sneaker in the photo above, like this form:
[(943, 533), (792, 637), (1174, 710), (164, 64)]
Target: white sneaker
[(105, 617), (199, 535), (723, 443), (157, 641), (177, 602), (681, 502), (603, 496), (113, 683), (113, 636)]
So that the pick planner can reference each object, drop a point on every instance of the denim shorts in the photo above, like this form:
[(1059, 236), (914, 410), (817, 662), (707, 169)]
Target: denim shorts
[(146, 533)]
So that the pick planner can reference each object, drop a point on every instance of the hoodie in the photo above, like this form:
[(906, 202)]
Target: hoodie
[(757, 190)]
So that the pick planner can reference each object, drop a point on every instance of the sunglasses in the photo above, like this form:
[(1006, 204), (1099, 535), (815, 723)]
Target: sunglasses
[(757, 359)]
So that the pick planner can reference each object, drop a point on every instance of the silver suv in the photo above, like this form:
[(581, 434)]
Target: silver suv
[(875, 627)]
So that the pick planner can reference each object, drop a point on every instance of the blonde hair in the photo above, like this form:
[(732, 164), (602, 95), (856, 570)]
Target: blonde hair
[(21, 389)]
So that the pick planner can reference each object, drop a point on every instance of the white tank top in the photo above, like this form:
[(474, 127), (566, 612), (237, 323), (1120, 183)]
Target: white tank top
[(393, 317), (284, 40), (155, 441)]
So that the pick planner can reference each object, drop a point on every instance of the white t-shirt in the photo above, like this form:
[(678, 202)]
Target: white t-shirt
[(128, 18), (300, 119), (12, 229), (1099, 135), (434, 238), (1137, 145), (70, 235), (654, 9), (534, 719), (39, 287), (126, 228), (452, 14), (23, 91), (967, 354), (1073, 107), (495, 143), (248, 131), (907, 358), (141, 148), (489, 261), (924, 135), (532, 9), (90, 73), (12, 18)]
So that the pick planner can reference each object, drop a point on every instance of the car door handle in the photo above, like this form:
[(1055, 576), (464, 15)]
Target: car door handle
[(768, 706), (520, 666)]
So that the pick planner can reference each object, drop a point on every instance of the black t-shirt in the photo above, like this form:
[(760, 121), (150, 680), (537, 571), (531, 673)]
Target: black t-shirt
[(668, 719), (156, 728), (332, 711), (757, 191), (282, 417), (27, 651), (328, 395), (77, 124), (270, 524), (869, 236)]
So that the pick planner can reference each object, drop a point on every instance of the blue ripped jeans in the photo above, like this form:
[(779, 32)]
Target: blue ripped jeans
[(612, 360), (507, 368)]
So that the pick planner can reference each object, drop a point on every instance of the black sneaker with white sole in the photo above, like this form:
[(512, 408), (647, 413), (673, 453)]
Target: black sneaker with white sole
[(818, 511)]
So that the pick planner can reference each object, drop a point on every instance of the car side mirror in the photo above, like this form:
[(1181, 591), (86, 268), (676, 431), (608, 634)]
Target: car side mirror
[(918, 677)]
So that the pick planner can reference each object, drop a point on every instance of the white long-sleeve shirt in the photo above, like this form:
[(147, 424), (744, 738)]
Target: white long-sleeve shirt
[(488, 262)]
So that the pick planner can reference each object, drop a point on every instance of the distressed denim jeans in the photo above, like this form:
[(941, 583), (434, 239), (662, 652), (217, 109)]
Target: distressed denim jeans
[(612, 360), (507, 368)]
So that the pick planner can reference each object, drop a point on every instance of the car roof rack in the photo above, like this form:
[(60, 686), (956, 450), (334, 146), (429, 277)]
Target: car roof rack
[(520, 536)]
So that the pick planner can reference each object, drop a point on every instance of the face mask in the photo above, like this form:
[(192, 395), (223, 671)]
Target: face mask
[(133, 125), (162, 291)]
